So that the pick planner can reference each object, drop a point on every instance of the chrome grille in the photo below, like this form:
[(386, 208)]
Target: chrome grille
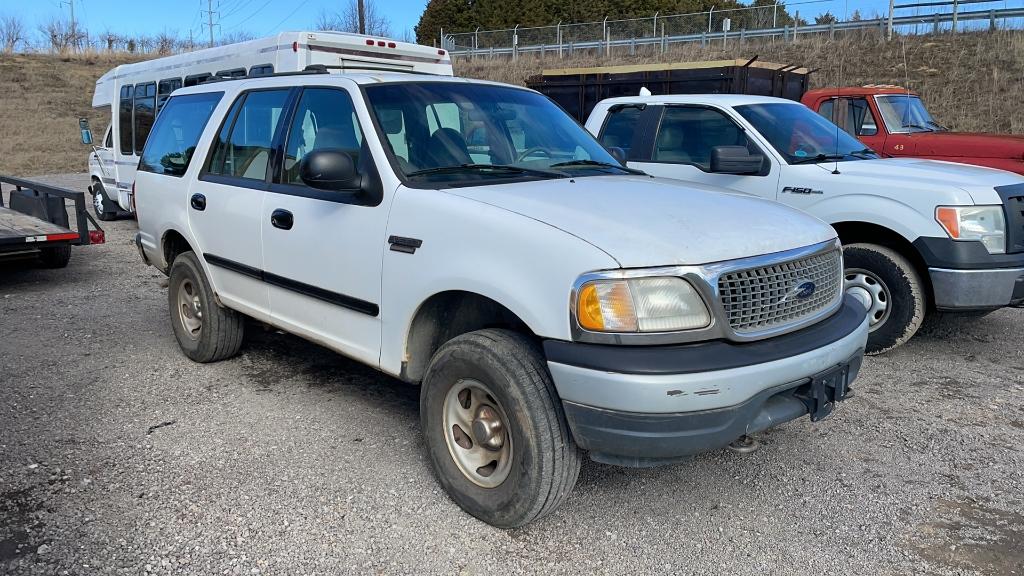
[(765, 298)]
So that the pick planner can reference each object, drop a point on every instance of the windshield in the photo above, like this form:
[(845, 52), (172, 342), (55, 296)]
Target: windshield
[(802, 136), (906, 113), (456, 132)]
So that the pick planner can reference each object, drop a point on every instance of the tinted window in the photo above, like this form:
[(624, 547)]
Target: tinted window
[(619, 129), (176, 132), (687, 135), (264, 70), (108, 140), (164, 90), (196, 79), (124, 122), (325, 119), (233, 73), (145, 113), (243, 148)]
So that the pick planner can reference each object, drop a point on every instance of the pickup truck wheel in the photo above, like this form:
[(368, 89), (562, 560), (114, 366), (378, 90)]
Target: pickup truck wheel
[(56, 256), (495, 430), (206, 332), (891, 290), (102, 205)]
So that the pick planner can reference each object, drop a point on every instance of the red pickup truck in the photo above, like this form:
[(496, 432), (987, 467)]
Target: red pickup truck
[(894, 122)]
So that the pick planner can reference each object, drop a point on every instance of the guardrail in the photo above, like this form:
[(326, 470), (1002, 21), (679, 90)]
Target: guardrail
[(786, 32)]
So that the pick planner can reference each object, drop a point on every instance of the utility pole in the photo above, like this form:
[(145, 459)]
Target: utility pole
[(361, 8), (74, 28), (891, 9), (209, 18)]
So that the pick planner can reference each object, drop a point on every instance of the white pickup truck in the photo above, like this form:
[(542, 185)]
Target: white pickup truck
[(472, 238), (919, 235)]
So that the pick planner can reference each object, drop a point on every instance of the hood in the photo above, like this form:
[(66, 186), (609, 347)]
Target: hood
[(964, 183), (972, 145), (644, 221)]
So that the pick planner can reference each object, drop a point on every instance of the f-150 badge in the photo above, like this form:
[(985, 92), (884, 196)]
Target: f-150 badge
[(798, 190)]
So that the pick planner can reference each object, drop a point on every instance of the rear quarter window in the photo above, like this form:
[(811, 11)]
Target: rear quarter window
[(172, 142)]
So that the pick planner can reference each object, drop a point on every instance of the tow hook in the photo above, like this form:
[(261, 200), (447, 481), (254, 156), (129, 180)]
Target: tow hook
[(744, 445)]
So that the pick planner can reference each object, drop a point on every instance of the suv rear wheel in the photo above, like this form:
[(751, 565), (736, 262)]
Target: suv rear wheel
[(890, 288), (206, 332), (495, 430)]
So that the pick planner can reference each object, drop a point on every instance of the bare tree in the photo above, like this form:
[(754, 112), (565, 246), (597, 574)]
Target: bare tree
[(166, 42), (61, 35), (235, 37), (12, 33), (347, 20)]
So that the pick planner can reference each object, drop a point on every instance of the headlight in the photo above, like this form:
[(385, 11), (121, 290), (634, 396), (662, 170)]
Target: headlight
[(640, 305), (982, 223)]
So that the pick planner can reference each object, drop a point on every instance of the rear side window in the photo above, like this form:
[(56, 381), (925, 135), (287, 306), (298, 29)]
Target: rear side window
[(173, 141), (619, 129), (145, 113), (243, 148), (124, 121)]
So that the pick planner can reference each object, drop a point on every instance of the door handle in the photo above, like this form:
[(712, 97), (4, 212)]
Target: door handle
[(282, 219), (198, 202)]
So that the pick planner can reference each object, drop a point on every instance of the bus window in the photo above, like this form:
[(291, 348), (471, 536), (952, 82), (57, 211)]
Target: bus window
[(145, 112), (195, 79), (233, 73), (164, 90), (124, 121), (263, 70)]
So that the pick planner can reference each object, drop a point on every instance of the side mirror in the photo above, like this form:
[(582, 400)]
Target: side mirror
[(330, 169), (83, 127), (618, 153), (735, 160)]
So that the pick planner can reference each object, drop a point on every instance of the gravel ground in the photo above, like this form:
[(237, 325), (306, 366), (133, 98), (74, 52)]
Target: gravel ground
[(120, 456)]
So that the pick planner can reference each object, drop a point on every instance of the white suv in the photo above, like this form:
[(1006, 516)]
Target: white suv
[(472, 238)]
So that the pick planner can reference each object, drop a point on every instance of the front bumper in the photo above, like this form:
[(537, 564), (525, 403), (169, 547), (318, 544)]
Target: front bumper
[(643, 406), (977, 289)]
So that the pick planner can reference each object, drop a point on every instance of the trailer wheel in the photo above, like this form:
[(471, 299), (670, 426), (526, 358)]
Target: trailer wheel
[(102, 205), (890, 288), (56, 256), (206, 331), (495, 430)]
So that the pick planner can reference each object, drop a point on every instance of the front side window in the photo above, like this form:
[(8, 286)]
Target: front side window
[(802, 136), (324, 120), (906, 113), (145, 113), (460, 132), (243, 147), (125, 138), (176, 132), (108, 139), (619, 128), (851, 114), (688, 134)]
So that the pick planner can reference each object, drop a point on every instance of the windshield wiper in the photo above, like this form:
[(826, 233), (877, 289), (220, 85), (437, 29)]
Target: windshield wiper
[(925, 128), (864, 152), (575, 163), (818, 158), (506, 168)]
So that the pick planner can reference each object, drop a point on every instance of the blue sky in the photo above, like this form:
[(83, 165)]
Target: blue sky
[(263, 17)]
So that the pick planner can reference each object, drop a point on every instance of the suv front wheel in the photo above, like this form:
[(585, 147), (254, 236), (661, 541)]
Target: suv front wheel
[(206, 332), (495, 429)]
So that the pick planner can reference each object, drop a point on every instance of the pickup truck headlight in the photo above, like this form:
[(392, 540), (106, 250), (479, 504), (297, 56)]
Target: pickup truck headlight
[(664, 304), (981, 223)]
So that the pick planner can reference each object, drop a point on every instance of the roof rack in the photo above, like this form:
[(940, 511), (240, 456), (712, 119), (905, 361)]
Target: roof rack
[(325, 69), (225, 78)]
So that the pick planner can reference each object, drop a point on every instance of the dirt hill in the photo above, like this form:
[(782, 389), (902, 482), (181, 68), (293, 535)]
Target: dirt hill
[(972, 82)]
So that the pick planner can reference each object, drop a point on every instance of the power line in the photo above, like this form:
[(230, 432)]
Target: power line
[(254, 12), (290, 14)]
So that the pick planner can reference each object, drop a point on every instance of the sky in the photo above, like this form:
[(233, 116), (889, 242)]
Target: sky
[(264, 17)]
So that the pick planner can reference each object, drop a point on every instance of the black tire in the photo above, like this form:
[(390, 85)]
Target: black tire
[(545, 461), (907, 301), (56, 256), (220, 330), (110, 209)]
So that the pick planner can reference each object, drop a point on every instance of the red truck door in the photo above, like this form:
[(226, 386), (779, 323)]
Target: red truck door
[(856, 115)]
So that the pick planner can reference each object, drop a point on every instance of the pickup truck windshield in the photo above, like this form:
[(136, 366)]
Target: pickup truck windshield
[(906, 113), (456, 132), (802, 136)]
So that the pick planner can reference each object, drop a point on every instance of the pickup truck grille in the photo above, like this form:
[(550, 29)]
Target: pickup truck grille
[(780, 295), (1013, 205)]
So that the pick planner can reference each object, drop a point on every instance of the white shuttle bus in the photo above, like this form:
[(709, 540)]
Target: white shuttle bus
[(134, 93)]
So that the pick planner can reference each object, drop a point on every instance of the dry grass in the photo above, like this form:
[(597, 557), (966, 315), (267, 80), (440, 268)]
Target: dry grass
[(972, 82), (42, 99)]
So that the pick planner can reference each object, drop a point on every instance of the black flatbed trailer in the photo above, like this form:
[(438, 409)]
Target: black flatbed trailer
[(36, 222)]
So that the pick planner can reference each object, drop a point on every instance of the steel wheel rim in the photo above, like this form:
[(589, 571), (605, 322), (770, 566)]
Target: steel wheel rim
[(190, 309), (872, 292), (476, 433), (97, 201)]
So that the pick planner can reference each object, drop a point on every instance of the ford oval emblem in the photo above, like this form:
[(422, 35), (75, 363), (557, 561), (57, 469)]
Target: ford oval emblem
[(805, 290)]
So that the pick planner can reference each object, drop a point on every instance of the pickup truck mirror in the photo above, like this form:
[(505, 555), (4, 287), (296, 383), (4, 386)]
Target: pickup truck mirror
[(618, 153), (330, 169), (735, 160)]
